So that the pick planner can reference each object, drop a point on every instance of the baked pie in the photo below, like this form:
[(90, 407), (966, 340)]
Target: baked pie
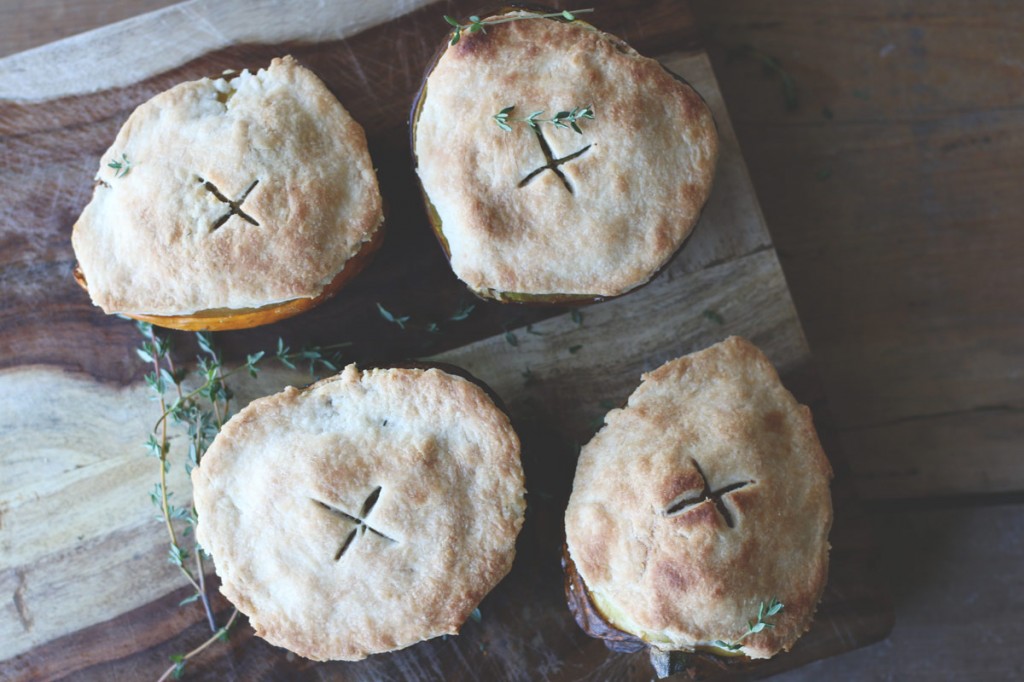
[(701, 509), (365, 513), (229, 203), (556, 163)]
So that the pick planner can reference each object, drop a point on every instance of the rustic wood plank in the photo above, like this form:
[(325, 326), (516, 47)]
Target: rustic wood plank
[(948, 454), (27, 25), (185, 31), (78, 537), (897, 222), (955, 574)]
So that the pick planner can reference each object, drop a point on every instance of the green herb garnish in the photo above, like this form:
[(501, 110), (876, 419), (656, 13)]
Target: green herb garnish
[(314, 355), (462, 312), (563, 119), (713, 315), (121, 167), (407, 323), (178, 661), (764, 611), (476, 24), (202, 411), (387, 315)]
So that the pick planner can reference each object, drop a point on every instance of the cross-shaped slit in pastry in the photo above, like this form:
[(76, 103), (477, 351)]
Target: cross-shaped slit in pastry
[(360, 520), (682, 505), (234, 207), (552, 164)]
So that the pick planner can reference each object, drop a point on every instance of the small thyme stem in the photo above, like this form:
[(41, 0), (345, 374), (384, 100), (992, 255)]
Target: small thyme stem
[(203, 596), (166, 411), (201, 648), (562, 119), (227, 399), (202, 591), (550, 15), (764, 611), (164, 501), (477, 24)]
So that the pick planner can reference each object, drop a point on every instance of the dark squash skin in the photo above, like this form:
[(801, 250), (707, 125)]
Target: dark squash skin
[(588, 617), (592, 622)]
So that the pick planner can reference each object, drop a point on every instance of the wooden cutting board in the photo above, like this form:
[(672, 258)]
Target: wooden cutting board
[(86, 586)]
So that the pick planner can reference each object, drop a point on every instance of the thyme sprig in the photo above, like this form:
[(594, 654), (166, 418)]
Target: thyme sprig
[(764, 611), (121, 167), (178, 661), (203, 411), (563, 119), (462, 312), (405, 322), (476, 24), (400, 320)]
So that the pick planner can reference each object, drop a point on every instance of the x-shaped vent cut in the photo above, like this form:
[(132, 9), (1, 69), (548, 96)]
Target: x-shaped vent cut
[(681, 506), (362, 526), (552, 164), (234, 207)]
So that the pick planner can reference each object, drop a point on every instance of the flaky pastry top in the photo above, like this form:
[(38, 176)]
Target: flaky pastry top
[(617, 212), (665, 553), (235, 193), (363, 514)]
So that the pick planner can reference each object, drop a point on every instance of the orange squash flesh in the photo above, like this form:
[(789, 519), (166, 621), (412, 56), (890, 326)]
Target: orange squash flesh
[(224, 319)]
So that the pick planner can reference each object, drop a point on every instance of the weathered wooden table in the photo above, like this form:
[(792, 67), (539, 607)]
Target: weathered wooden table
[(890, 193)]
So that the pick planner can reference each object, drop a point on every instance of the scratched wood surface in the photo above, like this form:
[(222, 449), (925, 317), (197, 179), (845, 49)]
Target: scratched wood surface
[(80, 550)]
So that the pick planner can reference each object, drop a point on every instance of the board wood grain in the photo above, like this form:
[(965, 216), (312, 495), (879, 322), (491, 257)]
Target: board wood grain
[(80, 552), (897, 220)]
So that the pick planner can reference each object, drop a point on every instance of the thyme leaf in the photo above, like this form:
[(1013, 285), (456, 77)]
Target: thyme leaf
[(562, 119), (462, 312), (121, 167), (713, 316), (764, 611), (392, 318)]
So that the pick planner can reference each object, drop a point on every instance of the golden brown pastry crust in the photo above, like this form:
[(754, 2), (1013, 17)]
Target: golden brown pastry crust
[(636, 192), (440, 533), (276, 143), (718, 416), (223, 319)]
